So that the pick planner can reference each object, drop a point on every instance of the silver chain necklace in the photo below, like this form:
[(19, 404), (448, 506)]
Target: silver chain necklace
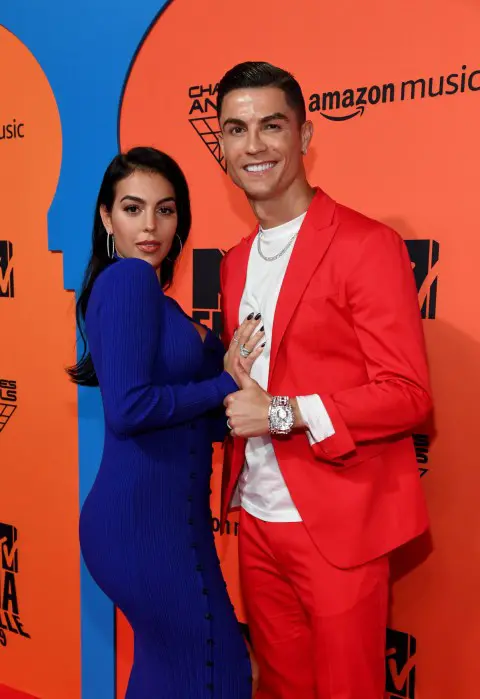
[(279, 254)]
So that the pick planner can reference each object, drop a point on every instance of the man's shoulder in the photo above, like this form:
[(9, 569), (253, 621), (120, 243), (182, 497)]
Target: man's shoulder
[(354, 225), (362, 223)]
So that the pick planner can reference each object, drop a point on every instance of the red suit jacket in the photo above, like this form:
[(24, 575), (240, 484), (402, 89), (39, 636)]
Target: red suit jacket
[(347, 326)]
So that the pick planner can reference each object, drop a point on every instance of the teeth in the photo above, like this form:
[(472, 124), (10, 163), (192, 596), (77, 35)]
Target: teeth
[(259, 168)]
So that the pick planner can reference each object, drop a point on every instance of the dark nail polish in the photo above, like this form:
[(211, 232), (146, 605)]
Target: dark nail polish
[(250, 316), (258, 316), (262, 329), (264, 344)]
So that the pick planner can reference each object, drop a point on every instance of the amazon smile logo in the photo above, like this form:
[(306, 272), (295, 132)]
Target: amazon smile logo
[(344, 105)]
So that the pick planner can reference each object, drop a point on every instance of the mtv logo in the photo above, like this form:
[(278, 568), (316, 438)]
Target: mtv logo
[(206, 287), (8, 548), (424, 255), (400, 665), (7, 289), (421, 443)]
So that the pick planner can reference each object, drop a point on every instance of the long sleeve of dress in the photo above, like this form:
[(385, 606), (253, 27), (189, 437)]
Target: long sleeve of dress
[(124, 307)]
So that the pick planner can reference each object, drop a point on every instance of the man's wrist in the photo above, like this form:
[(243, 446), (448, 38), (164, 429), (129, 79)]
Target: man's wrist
[(299, 423)]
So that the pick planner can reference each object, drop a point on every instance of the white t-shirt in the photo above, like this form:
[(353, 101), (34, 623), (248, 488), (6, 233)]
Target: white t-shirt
[(262, 491)]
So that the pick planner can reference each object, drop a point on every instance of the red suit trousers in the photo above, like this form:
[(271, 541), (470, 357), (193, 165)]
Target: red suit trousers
[(318, 632)]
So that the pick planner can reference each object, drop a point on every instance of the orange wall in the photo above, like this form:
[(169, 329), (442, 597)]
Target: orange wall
[(38, 443)]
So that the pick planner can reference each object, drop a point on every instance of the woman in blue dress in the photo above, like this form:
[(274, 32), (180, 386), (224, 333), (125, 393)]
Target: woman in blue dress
[(145, 528)]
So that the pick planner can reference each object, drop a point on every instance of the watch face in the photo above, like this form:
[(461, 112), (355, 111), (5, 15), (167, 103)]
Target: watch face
[(282, 419)]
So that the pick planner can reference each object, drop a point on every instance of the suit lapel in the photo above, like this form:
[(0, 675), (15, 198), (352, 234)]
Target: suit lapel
[(236, 283), (312, 243)]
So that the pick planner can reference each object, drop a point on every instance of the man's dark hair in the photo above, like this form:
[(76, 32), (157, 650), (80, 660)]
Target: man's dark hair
[(259, 74)]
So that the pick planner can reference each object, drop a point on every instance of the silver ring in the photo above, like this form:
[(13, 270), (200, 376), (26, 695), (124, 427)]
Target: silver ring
[(244, 352), (229, 425)]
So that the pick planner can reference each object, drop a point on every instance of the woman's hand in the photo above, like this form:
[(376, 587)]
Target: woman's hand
[(249, 336)]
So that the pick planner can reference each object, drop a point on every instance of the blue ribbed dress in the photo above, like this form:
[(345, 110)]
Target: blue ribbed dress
[(145, 528)]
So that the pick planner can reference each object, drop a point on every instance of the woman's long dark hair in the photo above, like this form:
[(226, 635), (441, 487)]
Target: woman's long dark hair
[(123, 165)]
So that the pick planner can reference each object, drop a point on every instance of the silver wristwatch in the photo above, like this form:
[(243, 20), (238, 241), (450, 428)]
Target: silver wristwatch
[(280, 415)]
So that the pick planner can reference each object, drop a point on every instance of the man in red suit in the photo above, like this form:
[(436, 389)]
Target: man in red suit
[(320, 456)]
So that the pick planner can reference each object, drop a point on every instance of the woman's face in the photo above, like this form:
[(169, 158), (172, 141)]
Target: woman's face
[(143, 218)]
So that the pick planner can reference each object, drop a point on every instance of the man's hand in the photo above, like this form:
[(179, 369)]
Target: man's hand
[(247, 409)]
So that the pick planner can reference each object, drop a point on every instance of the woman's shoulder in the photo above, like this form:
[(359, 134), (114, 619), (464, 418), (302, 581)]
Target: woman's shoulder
[(126, 279), (127, 272), (126, 269)]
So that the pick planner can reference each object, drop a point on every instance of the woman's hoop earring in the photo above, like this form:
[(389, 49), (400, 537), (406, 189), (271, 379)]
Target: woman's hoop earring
[(110, 247), (181, 248), (181, 244)]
